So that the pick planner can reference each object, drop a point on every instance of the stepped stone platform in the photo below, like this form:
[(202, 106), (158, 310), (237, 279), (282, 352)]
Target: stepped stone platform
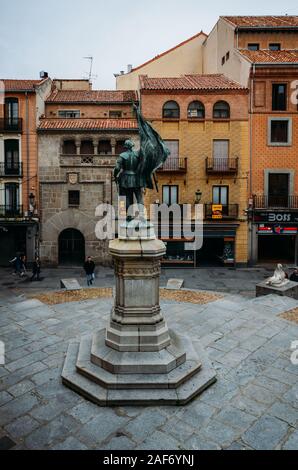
[(137, 359)]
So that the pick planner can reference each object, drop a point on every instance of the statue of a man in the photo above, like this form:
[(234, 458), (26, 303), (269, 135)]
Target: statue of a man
[(127, 176), (135, 171)]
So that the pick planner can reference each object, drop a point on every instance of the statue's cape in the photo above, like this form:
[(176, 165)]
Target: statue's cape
[(153, 151)]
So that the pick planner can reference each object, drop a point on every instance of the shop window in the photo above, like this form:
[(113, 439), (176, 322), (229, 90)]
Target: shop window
[(171, 110), (280, 131), (221, 110), (279, 96), (73, 198), (196, 109)]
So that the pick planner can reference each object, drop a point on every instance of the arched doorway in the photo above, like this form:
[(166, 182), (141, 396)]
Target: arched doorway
[(71, 247)]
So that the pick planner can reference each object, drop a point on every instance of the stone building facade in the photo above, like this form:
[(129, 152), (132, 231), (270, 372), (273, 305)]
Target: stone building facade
[(80, 138)]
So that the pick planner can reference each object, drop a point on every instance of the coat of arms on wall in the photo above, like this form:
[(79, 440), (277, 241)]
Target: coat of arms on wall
[(73, 178)]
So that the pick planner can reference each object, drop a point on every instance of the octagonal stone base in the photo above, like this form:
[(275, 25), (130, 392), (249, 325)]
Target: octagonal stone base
[(107, 377)]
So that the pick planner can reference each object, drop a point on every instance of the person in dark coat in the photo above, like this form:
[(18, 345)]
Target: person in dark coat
[(294, 275), (89, 267), (35, 269)]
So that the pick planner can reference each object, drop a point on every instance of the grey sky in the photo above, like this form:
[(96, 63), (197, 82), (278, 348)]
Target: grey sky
[(57, 34)]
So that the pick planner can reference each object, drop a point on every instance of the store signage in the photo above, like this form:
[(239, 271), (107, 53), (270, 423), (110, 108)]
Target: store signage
[(276, 217), (276, 230), (216, 211)]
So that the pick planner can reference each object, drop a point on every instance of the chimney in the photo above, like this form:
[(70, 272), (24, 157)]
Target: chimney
[(129, 68)]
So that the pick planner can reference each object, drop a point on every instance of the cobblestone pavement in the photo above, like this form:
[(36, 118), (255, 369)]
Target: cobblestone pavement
[(253, 404)]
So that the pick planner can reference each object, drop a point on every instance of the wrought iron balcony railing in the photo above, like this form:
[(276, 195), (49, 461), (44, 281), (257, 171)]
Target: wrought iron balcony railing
[(11, 124), (229, 211), (174, 164), (11, 211), (221, 165), (11, 169), (277, 201)]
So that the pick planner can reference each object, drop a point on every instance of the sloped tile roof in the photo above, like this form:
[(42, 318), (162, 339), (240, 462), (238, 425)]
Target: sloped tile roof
[(87, 124), (21, 85), (190, 82), (263, 21), (92, 96), (285, 56)]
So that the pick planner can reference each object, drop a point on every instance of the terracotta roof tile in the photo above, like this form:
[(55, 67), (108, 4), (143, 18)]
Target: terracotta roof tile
[(201, 33), (190, 82), (263, 21), (92, 96), (87, 124), (285, 56), (21, 85)]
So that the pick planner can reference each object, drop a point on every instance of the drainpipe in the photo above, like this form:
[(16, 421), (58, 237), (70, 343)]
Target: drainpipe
[(251, 225), (27, 148)]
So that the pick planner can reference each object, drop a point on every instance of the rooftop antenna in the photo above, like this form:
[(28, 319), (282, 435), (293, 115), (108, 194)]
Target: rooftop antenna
[(90, 76)]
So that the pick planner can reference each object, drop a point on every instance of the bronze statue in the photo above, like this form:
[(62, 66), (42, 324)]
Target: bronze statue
[(135, 171)]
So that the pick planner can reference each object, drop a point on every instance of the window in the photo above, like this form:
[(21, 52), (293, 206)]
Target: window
[(11, 150), (253, 46), (280, 131), (196, 109), (221, 110), (172, 162), (279, 97), (220, 195), (221, 154), (12, 199), (104, 147), (115, 114), (274, 46), (171, 110), (87, 147), (11, 113), (73, 198), (170, 195), (69, 147), (278, 189), (70, 114)]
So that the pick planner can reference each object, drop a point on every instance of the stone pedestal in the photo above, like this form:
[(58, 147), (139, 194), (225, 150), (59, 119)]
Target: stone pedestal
[(137, 359), (290, 289)]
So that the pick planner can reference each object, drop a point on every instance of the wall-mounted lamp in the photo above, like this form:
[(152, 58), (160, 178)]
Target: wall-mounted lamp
[(198, 198)]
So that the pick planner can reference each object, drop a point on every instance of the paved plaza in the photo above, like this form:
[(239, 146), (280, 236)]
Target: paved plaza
[(253, 404)]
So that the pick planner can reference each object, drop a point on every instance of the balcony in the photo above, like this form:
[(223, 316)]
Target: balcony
[(11, 212), (275, 202), (14, 169), (175, 164), (222, 166), (229, 211), (11, 124), (93, 160)]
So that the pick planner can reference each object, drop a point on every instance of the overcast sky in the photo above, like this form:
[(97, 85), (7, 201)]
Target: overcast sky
[(55, 35)]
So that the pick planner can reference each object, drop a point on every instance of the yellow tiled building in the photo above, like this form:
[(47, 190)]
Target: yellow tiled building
[(204, 122)]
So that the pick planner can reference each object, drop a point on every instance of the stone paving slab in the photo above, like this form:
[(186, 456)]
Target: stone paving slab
[(253, 404)]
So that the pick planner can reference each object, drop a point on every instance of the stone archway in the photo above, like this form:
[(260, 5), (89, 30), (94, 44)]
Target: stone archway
[(71, 247)]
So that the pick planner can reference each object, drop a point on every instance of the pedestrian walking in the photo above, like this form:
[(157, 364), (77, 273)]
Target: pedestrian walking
[(89, 267), (35, 269), (23, 268)]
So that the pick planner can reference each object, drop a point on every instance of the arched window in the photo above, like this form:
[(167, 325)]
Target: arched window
[(171, 110), (196, 109), (221, 109), (87, 147), (69, 147)]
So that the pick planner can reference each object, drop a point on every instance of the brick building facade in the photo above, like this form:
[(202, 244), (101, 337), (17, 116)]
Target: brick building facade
[(204, 122)]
